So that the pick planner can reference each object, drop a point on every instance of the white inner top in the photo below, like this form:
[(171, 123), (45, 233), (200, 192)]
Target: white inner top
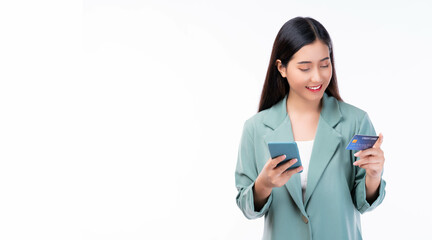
[(305, 151)]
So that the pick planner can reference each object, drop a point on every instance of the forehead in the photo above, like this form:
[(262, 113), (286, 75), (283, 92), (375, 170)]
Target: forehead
[(312, 52)]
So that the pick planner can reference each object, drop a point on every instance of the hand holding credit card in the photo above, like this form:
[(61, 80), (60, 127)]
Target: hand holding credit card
[(370, 157), (361, 142)]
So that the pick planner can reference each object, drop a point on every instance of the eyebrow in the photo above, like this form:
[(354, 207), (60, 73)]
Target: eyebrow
[(303, 62)]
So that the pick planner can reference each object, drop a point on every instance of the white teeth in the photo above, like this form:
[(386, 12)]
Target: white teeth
[(314, 88)]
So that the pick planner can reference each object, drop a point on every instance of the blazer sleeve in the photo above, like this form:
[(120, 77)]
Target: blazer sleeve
[(359, 196), (246, 173)]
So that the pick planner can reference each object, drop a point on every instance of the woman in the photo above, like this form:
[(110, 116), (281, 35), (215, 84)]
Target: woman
[(300, 102)]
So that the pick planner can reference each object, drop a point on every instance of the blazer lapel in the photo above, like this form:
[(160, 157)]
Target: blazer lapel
[(278, 120), (327, 139)]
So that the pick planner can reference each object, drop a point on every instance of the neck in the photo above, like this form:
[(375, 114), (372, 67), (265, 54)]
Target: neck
[(298, 104)]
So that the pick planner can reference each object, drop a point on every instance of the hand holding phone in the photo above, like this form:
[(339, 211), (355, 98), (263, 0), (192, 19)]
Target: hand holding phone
[(272, 176), (275, 173), (289, 149)]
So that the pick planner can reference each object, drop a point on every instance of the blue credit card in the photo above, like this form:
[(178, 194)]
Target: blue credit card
[(361, 142)]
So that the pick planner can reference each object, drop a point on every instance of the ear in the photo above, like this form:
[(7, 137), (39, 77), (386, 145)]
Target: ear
[(282, 69)]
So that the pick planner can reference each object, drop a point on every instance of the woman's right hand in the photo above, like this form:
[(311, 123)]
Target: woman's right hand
[(272, 176)]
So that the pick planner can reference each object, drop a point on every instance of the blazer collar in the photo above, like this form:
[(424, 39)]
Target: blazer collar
[(326, 141), (330, 112)]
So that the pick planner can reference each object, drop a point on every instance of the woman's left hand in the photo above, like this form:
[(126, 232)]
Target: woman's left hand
[(372, 159)]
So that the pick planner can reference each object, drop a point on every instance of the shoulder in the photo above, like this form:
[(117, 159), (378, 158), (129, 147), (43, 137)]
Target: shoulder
[(335, 111), (342, 113), (268, 118), (356, 118), (351, 112), (255, 120)]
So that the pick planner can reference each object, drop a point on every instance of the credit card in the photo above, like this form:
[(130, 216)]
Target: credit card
[(361, 142)]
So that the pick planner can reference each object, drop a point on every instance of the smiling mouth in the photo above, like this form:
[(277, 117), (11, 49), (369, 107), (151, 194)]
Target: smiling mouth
[(314, 88)]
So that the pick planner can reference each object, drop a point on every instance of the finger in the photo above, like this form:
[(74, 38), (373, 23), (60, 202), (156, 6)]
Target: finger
[(291, 172), (372, 158), (368, 152), (371, 167), (357, 154), (283, 167), (275, 161), (367, 161), (378, 165), (379, 141)]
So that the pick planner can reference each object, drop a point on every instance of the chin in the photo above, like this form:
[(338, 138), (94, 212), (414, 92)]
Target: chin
[(314, 96)]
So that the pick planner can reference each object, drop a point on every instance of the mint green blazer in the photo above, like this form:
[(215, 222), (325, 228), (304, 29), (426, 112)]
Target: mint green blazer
[(335, 193)]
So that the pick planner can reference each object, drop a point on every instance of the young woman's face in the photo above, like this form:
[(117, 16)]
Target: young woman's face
[(309, 71)]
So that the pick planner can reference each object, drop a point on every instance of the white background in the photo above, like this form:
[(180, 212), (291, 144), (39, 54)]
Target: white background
[(122, 119)]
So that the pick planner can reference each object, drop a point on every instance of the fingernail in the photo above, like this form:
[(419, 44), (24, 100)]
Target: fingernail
[(355, 163), (295, 160), (356, 154)]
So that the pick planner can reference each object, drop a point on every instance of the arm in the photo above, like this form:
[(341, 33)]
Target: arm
[(245, 175), (369, 189), (254, 191)]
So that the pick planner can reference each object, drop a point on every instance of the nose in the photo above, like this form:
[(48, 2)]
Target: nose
[(316, 77)]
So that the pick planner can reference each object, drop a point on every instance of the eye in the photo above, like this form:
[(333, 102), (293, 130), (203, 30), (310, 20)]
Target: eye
[(326, 66), (304, 70)]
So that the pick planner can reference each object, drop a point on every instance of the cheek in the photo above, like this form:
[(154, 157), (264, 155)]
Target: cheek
[(297, 79), (327, 75)]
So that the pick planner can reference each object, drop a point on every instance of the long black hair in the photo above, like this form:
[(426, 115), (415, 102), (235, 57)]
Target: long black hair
[(293, 35)]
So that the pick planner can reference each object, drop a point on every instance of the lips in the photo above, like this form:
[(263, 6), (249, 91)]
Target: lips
[(314, 88)]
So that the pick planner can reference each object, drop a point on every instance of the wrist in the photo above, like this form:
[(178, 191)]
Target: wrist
[(372, 184), (261, 190), (373, 177)]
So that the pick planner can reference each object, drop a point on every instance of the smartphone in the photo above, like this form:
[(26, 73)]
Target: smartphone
[(289, 149)]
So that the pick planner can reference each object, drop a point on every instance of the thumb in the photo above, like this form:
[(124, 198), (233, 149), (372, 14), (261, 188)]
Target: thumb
[(379, 141)]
